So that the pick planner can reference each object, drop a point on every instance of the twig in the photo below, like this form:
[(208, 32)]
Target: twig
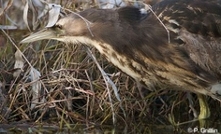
[(148, 7), (17, 48), (108, 81)]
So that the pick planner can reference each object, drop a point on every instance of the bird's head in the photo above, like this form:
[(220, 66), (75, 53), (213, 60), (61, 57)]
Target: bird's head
[(101, 25), (67, 29)]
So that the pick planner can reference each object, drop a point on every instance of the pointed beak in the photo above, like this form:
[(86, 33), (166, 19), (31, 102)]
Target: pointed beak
[(43, 34)]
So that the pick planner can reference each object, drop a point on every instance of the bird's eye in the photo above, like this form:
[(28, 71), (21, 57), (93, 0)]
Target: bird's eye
[(59, 26)]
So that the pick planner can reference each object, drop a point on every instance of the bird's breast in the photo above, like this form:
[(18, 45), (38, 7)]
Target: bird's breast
[(146, 70), (149, 72)]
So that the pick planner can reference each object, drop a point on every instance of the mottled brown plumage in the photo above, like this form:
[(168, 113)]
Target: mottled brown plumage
[(137, 43)]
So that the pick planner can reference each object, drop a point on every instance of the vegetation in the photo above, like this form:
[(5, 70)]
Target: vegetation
[(48, 82)]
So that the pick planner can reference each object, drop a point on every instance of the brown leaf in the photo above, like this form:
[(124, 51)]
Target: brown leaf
[(19, 63)]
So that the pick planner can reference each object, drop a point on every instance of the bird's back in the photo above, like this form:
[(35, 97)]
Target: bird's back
[(195, 25), (195, 33), (190, 60)]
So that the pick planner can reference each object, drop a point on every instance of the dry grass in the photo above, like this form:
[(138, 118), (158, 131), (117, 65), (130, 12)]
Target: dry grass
[(74, 91)]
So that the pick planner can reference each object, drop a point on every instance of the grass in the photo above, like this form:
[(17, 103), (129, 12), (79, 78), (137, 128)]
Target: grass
[(72, 90)]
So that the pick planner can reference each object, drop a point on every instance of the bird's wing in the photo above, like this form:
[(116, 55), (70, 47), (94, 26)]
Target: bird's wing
[(195, 25)]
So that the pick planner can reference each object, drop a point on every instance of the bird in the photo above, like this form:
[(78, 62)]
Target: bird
[(174, 44)]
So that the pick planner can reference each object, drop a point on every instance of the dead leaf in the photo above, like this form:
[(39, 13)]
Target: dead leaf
[(38, 4), (53, 14), (25, 15), (8, 27), (19, 63), (34, 75)]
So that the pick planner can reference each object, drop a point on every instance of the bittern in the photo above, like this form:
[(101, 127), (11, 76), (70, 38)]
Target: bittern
[(178, 45)]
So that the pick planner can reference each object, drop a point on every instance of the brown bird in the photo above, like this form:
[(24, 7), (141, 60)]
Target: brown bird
[(179, 49)]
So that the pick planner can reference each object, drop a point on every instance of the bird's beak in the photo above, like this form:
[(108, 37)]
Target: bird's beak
[(43, 34)]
